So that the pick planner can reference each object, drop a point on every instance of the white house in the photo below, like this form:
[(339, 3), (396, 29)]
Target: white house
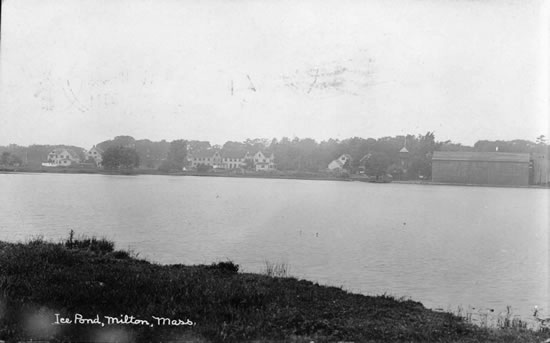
[(262, 162), (338, 164), (209, 157), (96, 154), (62, 157), (232, 159)]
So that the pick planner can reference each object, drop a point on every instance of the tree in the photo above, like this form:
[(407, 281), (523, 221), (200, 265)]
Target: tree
[(347, 165), (151, 154), (256, 143), (516, 146), (123, 141), (396, 170), (177, 154), (234, 146), (420, 166), (166, 166), (116, 158), (541, 140), (203, 168), (249, 164), (5, 158), (197, 146), (9, 159), (450, 146), (421, 159), (175, 158), (377, 164)]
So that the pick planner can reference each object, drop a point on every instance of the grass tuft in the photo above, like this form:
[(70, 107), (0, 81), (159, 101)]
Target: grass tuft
[(280, 269), (98, 245)]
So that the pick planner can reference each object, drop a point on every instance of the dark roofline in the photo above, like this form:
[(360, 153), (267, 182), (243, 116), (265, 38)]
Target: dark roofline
[(480, 156), (228, 154), (203, 153)]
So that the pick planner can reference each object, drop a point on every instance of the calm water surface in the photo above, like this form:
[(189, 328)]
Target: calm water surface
[(446, 246)]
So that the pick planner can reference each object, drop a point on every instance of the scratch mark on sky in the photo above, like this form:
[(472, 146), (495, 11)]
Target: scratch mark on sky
[(251, 84), (314, 81)]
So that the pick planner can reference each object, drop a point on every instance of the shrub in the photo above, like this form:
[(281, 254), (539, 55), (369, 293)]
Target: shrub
[(121, 255), (203, 168), (227, 267)]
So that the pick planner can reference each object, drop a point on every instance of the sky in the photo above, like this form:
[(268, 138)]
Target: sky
[(81, 72)]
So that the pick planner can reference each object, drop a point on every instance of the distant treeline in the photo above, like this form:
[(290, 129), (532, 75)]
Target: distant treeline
[(303, 154)]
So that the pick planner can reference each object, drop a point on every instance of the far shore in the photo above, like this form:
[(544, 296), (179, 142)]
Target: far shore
[(292, 175)]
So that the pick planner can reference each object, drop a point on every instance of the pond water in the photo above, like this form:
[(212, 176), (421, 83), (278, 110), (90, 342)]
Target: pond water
[(446, 246)]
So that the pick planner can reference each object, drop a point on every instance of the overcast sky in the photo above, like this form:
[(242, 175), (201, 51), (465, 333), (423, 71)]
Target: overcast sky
[(80, 72)]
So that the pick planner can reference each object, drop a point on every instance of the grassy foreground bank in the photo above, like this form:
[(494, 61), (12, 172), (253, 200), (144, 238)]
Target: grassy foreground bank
[(84, 280)]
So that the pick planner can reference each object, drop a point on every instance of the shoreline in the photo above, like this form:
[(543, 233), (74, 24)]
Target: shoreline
[(87, 280), (255, 175)]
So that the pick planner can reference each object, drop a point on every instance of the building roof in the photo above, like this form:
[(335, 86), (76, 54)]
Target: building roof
[(72, 154), (57, 150), (266, 152), (364, 158), (203, 153), (339, 162), (404, 148), (98, 149), (227, 153), (233, 154), (480, 156)]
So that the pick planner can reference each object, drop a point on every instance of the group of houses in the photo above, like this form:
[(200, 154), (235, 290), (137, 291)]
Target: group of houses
[(215, 158), (64, 157), (224, 159)]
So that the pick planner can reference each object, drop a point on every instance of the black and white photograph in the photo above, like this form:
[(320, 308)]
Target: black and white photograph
[(274, 171)]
